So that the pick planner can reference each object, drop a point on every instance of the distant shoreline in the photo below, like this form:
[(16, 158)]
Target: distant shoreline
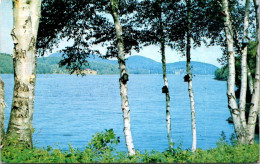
[(107, 74)]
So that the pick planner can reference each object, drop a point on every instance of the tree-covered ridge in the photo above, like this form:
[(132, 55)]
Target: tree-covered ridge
[(49, 65), (136, 65)]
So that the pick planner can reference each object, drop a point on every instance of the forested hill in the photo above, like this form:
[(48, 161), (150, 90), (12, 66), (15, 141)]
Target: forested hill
[(135, 64)]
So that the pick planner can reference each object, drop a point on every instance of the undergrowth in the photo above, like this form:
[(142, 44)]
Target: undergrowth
[(101, 149)]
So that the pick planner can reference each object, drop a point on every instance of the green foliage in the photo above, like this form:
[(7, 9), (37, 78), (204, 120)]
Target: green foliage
[(101, 149), (251, 61), (103, 141), (222, 73), (6, 63), (44, 65)]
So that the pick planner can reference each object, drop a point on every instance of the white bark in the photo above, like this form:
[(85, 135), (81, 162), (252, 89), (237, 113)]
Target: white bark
[(26, 15), (243, 89), (2, 110), (167, 96), (254, 108), (232, 104), (165, 80), (188, 69), (123, 79), (250, 81)]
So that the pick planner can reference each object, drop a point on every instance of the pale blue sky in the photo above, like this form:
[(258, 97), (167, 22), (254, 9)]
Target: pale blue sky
[(201, 54)]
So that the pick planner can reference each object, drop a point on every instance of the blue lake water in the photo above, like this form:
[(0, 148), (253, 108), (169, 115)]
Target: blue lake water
[(70, 109)]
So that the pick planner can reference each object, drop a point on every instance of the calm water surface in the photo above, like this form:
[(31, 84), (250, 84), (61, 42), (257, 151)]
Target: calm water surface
[(70, 109)]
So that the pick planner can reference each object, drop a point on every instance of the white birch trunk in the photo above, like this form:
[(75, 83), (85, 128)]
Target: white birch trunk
[(254, 108), (232, 104), (250, 81), (188, 69), (26, 20), (243, 89), (123, 79), (165, 80), (2, 110), (167, 96)]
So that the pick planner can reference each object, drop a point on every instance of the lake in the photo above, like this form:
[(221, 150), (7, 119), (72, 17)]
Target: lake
[(70, 109)]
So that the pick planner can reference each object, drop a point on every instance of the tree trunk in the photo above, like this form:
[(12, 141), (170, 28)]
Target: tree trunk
[(2, 110), (232, 104), (254, 108), (188, 69), (123, 79), (165, 88), (26, 21), (167, 96), (242, 101), (250, 81)]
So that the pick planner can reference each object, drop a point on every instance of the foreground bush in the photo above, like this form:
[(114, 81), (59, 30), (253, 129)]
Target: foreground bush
[(101, 149)]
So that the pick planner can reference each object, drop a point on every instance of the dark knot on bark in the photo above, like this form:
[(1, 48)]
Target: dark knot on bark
[(244, 43), (187, 78), (165, 89), (124, 78)]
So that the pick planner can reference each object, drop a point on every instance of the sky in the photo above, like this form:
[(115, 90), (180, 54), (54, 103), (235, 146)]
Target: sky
[(201, 54)]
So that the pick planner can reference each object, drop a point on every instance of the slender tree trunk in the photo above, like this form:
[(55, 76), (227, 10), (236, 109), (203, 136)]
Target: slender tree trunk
[(232, 104), (167, 96), (26, 21), (123, 79), (254, 108), (165, 88), (188, 69), (250, 81), (242, 101), (2, 110)]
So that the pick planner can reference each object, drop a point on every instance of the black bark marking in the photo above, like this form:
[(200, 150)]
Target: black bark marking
[(124, 78), (21, 87), (31, 44), (165, 89), (28, 2), (20, 53), (187, 78), (15, 39), (28, 20), (21, 106)]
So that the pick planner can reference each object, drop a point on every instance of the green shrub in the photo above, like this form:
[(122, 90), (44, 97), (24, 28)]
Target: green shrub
[(101, 149)]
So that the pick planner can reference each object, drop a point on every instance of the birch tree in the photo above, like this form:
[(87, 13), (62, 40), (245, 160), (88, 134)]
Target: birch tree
[(2, 110), (123, 78), (244, 74), (232, 104), (244, 130), (165, 80), (188, 69), (201, 25), (26, 15)]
